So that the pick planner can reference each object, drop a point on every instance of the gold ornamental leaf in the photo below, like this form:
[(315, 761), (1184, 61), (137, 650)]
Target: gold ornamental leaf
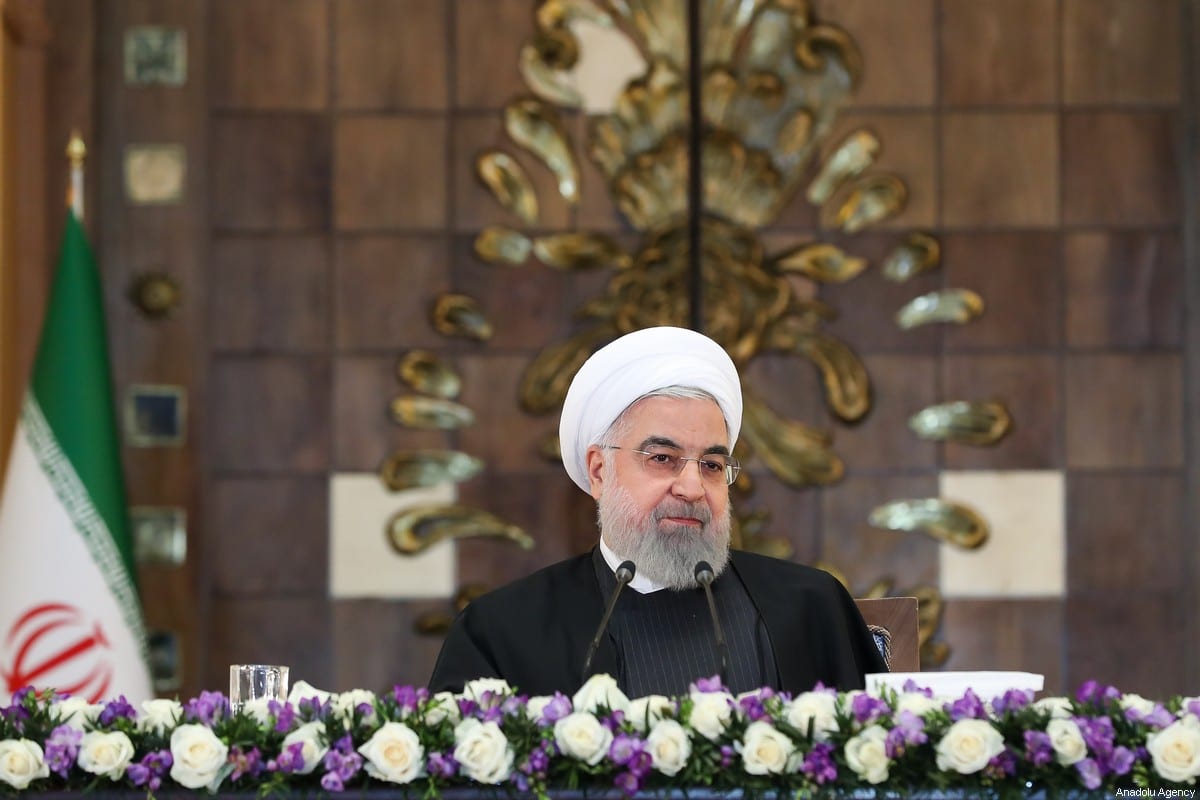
[(496, 244), (580, 250), (430, 413), (544, 65), (822, 262), (460, 315), (954, 523), (796, 453), (959, 306), (426, 373), (534, 125), (919, 253), (546, 380), (415, 530), (872, 199), (505, 178), (409, 469), (847, 384), (962, 421), (855, 153)]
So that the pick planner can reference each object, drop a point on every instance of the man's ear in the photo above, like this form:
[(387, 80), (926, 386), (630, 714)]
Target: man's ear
[(595, 470)]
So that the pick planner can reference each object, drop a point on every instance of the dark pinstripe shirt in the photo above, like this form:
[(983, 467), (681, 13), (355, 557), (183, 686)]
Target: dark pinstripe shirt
[(665, 639)]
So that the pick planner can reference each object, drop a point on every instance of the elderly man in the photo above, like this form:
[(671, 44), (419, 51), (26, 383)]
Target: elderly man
[(647, 428)]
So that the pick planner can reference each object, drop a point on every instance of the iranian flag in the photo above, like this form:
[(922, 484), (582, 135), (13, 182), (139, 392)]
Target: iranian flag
[(70, 618)]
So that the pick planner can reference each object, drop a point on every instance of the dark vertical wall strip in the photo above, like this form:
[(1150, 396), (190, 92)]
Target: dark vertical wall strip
[(695, 175)]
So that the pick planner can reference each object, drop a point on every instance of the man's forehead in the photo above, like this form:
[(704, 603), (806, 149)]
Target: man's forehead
[(677, 418)]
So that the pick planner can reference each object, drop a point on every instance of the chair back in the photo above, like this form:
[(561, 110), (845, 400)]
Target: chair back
[(894, 621)]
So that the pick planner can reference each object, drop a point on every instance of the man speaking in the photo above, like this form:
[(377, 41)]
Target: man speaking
[(648, 428)]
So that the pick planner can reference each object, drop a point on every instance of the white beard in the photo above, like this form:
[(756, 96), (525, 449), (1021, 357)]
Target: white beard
[(664, 553)]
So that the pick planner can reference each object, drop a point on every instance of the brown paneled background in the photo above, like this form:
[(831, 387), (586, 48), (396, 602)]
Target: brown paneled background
[(1050, 145)]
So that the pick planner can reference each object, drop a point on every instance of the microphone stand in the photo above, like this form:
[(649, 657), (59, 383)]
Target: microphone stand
[(705, 577), (624, 575)]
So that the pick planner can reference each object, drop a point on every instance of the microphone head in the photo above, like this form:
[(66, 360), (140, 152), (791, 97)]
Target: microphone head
[(625, 572), (704, 573)]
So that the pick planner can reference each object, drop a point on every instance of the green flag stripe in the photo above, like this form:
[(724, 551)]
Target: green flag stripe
[(83, 514), (73, 387)]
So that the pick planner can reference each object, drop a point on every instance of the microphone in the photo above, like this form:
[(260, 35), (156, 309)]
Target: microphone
[(705, 576), (624, 575)]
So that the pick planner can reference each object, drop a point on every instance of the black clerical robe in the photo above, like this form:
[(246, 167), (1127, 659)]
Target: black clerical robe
[(535, 632)]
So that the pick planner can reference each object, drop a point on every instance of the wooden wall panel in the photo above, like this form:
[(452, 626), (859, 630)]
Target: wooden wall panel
[(334, 197)]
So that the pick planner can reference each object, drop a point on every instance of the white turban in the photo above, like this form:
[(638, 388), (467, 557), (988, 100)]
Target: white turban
[(635, 365)]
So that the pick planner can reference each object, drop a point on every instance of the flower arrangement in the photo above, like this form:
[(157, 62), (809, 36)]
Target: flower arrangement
[(489, 735)]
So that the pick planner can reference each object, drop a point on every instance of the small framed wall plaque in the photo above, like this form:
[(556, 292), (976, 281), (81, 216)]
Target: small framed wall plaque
[(155, 174), (159, 534), (155, 56), (155, 415)]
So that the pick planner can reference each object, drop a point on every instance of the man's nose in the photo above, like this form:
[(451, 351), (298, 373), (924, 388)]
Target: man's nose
[(688, 484)]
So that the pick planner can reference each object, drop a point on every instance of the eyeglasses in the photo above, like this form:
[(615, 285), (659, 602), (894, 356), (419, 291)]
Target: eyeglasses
[(714, 467)]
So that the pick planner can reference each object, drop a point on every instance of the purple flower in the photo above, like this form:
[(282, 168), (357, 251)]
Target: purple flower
[(752, 707), (1159, 717), (623, 749), (1002, 765), (512, 706), (330, 782), (539, 759), (1089, 773), (1097, 734), (1093, 692), (1012, 700), (558, 707), (613, 720), (116, 709), (1193, 707), (909, 730), (727, 756), (911, 686), (290, 760), (467, 707), (409, 698), (312, 709), (819, 765), (342, 760), (969, 706), (865, 708), (285, 715), (712, 684), (441, 766), (628, 783), (1121, 761), (206, 708), (245, 763), (62, 748), (151, 770), (1038, 749)]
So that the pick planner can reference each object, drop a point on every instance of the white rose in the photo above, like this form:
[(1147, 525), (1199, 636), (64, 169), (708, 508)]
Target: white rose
[(1058, 707), (346, 703), (917, 703), (443, 706), (21, 762), (600, 690), (303, 690), (646, 712), (1175, 750), (866, 754), (669, 746), (474, 690), (482, 751), (258, 709), (394, 754), (75, 712), (1067, 739), (1137, 703), (968, 746), (711, 712), (580, 735), (198, 754), (765, 750), (159, 716), (106, 754), (308, 734), (819, 708)]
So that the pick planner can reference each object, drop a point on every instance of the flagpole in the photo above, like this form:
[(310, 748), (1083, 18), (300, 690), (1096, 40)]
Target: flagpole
[(76, 155)]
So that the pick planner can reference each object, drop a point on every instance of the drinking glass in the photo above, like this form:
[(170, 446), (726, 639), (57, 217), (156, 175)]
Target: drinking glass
[(249, 682)]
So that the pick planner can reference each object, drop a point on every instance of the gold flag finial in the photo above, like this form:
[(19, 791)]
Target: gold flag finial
[(76, 153)]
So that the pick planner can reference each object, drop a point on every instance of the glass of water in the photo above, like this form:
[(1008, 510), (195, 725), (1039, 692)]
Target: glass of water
[(249, 682)]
